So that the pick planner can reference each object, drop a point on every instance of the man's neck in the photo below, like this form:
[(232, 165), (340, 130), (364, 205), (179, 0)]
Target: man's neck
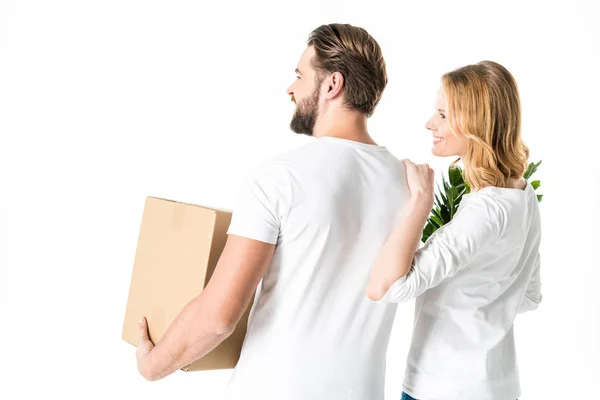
[(344, 125)]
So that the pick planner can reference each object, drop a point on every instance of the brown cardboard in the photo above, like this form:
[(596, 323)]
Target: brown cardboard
[(178, 248)]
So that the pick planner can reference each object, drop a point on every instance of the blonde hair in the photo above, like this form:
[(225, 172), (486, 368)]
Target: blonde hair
[(484, 105)]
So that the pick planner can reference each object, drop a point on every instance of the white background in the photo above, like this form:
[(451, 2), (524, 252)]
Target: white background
[(105, 102)]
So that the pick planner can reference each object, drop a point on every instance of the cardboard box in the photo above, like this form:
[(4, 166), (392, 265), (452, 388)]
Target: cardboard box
[(178, 248)]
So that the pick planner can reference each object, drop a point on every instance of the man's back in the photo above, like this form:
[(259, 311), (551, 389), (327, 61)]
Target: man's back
[(329, 206)]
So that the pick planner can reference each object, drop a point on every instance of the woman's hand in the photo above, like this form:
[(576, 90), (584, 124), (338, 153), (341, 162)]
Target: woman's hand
[(420, 179)]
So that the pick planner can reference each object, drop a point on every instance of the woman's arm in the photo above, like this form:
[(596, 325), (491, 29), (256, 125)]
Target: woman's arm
[(533, 294), (395, 259), (478, 223)]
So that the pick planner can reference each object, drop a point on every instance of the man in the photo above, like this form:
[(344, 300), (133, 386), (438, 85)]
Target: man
[(309, 223)]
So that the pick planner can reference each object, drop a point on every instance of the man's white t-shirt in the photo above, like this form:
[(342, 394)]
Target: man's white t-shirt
[(471, 278), (329, 206)]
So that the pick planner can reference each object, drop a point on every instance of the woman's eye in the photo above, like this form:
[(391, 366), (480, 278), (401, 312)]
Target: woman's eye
[(443, 116)]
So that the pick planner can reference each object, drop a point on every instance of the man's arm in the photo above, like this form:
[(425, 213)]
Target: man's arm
[(211, 317)]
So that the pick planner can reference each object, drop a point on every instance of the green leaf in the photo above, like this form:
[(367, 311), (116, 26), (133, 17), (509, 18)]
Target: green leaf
[(445, 214), (452, 192), (535, 184), (461, 193), (445, 202), (455, 175), (446, 184), (425, 236), (531, 169), (539, 197), (438, 202), (428, 231), (436, 222), (436, 213)]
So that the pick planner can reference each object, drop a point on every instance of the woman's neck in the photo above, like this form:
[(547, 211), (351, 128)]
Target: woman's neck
[(517, 184)]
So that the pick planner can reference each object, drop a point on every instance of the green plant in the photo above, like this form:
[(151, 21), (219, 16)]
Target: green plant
[(448, 198)]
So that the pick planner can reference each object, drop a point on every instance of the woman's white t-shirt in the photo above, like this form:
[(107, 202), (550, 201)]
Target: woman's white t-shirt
[(471, 278)]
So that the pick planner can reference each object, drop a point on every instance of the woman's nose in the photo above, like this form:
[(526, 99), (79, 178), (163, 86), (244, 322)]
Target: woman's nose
[(429, 125)]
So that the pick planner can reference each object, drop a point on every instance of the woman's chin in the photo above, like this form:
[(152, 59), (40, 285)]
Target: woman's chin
[(439, 152), (436, 152)]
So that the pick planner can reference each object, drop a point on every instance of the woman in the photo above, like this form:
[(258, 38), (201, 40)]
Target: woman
[(478, 271)]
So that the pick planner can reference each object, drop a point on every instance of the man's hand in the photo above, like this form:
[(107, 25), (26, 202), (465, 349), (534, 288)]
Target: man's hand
[(144, 349), (210, 317)]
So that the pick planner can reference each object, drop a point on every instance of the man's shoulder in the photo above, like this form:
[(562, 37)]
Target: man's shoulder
[(281, 165), (303, 154)]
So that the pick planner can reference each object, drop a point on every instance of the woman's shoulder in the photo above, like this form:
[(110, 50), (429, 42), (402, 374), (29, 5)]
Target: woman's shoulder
[(498, 205), (484, 207), (484, 202)]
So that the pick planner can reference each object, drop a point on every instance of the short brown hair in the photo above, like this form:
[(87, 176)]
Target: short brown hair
[(354, 53), (484, 105)]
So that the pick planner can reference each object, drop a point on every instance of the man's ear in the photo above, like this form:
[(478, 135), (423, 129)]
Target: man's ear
[(335, 84)]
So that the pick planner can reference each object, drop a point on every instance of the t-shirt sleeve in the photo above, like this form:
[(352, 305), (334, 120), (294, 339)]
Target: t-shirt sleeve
[(475, 227), (533, 295), (258, 207)]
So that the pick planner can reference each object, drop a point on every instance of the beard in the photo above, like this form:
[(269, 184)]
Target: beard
[(305, 116)]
